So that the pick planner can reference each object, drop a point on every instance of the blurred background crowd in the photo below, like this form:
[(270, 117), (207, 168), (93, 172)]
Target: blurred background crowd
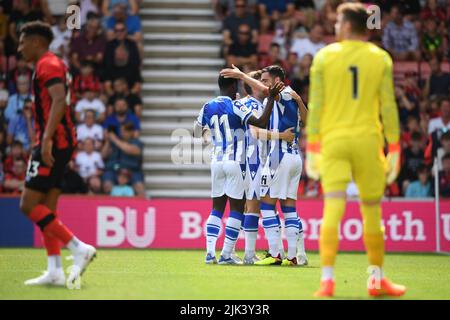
[(104, 58), (257, 33)]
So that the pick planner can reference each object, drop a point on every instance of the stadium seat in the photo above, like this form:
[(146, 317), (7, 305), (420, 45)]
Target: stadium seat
[(264, 43)]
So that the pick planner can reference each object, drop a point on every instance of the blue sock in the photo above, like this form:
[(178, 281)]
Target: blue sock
[(232, 232)]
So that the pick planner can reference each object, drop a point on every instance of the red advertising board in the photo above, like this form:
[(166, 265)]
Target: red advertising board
[(180, 224)]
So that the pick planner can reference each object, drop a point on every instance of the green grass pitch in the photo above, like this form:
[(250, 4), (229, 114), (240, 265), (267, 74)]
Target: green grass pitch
[(177, 274)]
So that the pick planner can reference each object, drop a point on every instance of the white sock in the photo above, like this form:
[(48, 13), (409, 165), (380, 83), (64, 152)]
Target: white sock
[(75, 245), (250, 243), (232, 230), (291, 229), (215, 225), (327, 273), (301, 243), (54, 263), (271, 229)]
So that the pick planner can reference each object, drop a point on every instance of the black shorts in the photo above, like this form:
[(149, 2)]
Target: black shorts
[(42, 178)]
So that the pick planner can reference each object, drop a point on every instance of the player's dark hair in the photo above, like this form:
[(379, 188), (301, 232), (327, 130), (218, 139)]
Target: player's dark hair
[(226, 83), (255, 75), (275, 71), (356, 14), (37, 28)]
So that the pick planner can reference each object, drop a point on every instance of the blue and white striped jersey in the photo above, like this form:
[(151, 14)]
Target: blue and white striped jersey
[(227, 120), (256, 149), (285, 115)]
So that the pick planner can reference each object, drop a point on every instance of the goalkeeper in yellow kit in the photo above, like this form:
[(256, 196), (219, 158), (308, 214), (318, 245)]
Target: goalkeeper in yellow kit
[(351, 104)]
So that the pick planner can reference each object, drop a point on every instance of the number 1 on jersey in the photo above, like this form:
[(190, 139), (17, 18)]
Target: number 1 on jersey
[(354, 71)]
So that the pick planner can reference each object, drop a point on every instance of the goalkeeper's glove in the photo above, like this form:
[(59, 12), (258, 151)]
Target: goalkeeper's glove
[(393, 162), (313, 158)]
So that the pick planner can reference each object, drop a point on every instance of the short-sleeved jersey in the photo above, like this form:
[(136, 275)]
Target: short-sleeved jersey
[(285, 115), (351, 85), (256, 149), (51, 70), (227, 120)]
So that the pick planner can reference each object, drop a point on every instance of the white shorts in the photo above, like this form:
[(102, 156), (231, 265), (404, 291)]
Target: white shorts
[(253, 183), (282, 182), (227, 177)]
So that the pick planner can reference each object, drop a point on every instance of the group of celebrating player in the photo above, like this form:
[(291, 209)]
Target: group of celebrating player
[(351, 111), (251, 162)]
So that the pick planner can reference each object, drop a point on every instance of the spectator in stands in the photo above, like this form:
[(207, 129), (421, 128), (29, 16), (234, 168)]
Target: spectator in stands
[(432, 11), (72, 182), (420, 188), (400, 37), (121, 115), (132, 23), (61, 39), (90, 164), (22, 13), (122, 60), (305, 13), (412, 125), (90, 130), (3, 145), (433, 43), (87, 80), (4, 95), (413, 157), (21, 70), (123, 153), (232, 22), (312, 44), (274, 11), (16, 152), (122, 188), (273, 58), (21, 127), (406, 104), (224, 8), (3, 24), (121, 90), (243, 52), (90, 102), (90, 45), (131, 6), (300, 83), (329, 15), (444, 177), (410, 8), (14, 179), (438, 83), (51, 9), (442, 149), (442, 122), (17, 100), (89, 7)]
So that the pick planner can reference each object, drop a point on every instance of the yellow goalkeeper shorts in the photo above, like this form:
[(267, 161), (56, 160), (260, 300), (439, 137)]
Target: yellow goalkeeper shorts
[(360, 159)]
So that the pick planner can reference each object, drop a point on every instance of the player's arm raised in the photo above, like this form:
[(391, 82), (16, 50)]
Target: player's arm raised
[(314, 114), (301, 106), (57, 94), (235, 73), (264, 134), (262, 121), (389, 117)]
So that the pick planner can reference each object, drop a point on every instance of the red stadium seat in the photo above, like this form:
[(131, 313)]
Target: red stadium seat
[(402, 67)]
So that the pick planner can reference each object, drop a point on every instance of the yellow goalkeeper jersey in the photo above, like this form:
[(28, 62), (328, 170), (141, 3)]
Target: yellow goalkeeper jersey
[(351, 86)]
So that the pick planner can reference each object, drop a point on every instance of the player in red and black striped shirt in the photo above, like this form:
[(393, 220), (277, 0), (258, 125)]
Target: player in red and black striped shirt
[(55, 143)]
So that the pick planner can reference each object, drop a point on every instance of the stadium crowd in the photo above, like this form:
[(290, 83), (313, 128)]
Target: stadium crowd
[(258, 33), (104, 58)]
